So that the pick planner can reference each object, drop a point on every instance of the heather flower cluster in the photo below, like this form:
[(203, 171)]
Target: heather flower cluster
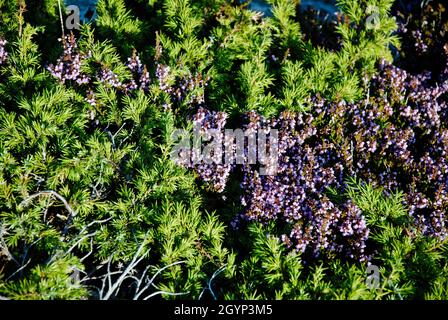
[(420, 45), (68, 66), (210, 169), (108, 77), (3, 53), (397, 139), (182, 88), (422, 29), (189, 88), (163, 74), (401, 142), (139, 72), (215, 151), (308, 164), (188, 84), (140, 76)]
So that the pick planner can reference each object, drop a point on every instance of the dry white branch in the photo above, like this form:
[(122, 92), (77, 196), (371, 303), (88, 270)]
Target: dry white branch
[(88, 253), (4, 248), (114, 286), (19, 269), (209, 283), (26, 202), (164, 292), (70, 210), (138, 292)]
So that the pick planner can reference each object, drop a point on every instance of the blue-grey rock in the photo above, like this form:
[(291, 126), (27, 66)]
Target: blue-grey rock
[(326, 6)]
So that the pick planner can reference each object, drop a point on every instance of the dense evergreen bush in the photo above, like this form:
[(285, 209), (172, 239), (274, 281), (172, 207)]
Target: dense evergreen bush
[(93, 207)]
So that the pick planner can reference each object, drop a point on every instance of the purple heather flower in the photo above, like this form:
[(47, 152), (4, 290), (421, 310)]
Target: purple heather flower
[(108, 77), (68, 66), (3, 53), (397, 139), (141, 75), (215, 174)]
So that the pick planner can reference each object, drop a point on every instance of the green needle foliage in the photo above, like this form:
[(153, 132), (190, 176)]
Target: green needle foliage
[(91, 205), (75, 194)]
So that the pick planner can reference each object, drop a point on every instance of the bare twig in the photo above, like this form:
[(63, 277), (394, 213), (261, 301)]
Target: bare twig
[(4, 247), (82, 238), (95, 187), (73, 246), (139, 293), (22, 10), (19, 270), (92, 223), (113, 136), (135, 261), (72, 212), (89, 253), (111, 287), (104, 276), (62, 22), (164, 292), (126, 138), (209, 283), (25, 254), (26, 202)]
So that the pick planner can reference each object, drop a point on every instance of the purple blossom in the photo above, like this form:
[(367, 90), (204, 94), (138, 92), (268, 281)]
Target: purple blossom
[(213, 173), (396, 139), (108, 77), (140, 74), (182, 86), (68, 66), (3, 53)]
